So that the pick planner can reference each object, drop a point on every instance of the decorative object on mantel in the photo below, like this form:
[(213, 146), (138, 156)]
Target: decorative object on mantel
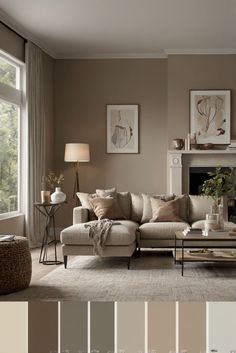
[(210, 116), (220, 184), (76, 153), (206, 146), (178, 144), (122, 129)]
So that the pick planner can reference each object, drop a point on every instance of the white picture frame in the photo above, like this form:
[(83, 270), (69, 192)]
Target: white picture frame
[(122, 128), (210, 115)]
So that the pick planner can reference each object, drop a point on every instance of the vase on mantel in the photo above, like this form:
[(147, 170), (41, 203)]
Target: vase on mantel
[(58, 196)]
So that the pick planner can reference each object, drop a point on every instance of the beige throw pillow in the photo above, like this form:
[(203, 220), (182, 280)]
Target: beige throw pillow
[(147, 208), (165, 211), (106, 207), (84, 200)]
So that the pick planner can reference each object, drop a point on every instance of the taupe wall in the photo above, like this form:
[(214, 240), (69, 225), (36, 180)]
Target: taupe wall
[(82, 90), (11, 43), (187, 72)]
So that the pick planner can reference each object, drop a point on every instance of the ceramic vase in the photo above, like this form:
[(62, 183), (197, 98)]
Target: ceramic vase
[(58, 196)]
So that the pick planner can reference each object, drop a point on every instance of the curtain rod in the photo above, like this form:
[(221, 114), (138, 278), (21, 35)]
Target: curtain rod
[(12, 30)]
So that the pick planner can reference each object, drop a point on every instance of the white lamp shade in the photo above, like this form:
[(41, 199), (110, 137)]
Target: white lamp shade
[(77, 152)]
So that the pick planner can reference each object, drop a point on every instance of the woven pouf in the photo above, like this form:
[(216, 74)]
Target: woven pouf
[(15, 265)]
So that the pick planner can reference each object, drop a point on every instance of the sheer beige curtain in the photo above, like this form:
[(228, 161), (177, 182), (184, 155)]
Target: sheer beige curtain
[(36, 139)]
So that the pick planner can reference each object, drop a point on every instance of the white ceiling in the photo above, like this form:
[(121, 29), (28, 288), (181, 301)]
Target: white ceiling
[(125, 28)]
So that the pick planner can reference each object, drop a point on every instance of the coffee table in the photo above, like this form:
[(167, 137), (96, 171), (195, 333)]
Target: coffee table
[(199, 241)]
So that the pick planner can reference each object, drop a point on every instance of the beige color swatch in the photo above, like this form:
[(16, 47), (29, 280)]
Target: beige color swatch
[(13, 327), (222, 326), (192, 326), (131, 327), (161, 327)]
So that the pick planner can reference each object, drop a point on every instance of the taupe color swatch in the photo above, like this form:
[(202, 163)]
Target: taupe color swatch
[(161, 326), (192, 326), (131, 326), (222, 323), (74, 326), (13, 327), (43, 327), (102, 326)]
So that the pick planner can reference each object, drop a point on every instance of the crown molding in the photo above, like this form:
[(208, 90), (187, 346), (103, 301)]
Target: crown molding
[(24, 33), (200, 51), (160, 55)]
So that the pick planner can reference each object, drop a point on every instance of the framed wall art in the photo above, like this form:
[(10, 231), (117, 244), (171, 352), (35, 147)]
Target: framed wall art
[(122, 128), (210, 116)]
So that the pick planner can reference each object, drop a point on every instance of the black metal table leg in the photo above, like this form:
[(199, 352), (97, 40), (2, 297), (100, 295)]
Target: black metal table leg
[(182, 258), (175, 249)]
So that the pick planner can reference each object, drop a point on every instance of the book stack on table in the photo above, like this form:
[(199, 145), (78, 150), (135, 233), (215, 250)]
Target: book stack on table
[(192, 231)]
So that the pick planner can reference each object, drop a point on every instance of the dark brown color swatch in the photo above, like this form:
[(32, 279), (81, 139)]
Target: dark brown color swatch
[(43, 327)]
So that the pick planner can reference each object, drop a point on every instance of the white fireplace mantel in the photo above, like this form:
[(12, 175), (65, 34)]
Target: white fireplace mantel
[(179, 162)]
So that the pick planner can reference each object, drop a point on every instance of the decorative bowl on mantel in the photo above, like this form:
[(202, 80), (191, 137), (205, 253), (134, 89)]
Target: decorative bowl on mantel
[(207, 146)]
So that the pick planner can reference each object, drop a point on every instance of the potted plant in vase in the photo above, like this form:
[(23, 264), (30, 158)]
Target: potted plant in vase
[(220, 184), (55, 181), (45, 193)]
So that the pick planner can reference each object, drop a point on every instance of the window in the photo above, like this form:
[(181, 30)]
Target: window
[(11, 108)]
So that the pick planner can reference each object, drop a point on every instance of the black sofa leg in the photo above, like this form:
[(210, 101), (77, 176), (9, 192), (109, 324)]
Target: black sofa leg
[(129, 260), (65, 261)]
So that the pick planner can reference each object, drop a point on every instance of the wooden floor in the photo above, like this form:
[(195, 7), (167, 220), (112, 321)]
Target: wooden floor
[(40, 270)]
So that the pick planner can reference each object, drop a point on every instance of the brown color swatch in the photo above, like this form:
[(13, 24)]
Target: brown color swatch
[(43, 327)]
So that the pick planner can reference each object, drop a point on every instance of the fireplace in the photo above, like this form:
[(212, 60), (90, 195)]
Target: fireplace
[(197, 176)]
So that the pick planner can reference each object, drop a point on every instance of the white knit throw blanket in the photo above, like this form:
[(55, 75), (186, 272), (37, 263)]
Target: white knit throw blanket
[(98, 232)]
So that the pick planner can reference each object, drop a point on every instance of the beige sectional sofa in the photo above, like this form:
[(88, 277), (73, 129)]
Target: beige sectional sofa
[(136, 231)]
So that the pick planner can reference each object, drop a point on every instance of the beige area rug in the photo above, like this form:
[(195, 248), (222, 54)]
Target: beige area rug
[(152, 277)]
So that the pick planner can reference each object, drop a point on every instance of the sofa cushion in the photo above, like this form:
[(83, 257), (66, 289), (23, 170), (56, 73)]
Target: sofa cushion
[(228, 226), (161, 230), (136, 207), (165, 211), (123, 233), (107, 192), (84, 200), (106, 207), (199, 206), (147, 208), (124, 201)]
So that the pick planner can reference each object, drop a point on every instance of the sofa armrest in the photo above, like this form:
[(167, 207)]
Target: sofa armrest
[(80, 215)]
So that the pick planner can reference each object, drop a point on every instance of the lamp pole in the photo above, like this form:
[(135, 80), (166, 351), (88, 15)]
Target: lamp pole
[(76, 184)]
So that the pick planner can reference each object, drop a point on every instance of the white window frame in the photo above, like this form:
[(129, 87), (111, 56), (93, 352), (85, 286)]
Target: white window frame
[(17, 96)]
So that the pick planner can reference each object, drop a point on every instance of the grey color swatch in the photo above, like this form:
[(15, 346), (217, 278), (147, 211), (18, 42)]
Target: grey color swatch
[(74, 323), (102, 326)]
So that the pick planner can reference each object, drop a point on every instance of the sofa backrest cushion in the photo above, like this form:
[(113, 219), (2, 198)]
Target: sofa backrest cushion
[(107, 192), (183, 207), (199, 206), (136, 207), (124, 201), (147, 207), (84, 200)]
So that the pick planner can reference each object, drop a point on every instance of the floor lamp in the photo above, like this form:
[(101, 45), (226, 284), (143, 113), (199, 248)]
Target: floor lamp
[(76, 153)]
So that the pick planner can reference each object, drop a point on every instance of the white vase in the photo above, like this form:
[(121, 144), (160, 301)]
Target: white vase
[(58, 196)]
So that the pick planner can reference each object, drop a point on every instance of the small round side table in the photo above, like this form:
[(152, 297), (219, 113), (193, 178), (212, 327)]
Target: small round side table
[(15, 265), (48, 210)]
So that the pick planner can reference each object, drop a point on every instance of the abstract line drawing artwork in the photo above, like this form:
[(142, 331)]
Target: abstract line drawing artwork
[(122, 128), (210, 116)]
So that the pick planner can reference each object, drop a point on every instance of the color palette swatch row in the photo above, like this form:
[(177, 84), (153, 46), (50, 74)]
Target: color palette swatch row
[(122, 327)]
